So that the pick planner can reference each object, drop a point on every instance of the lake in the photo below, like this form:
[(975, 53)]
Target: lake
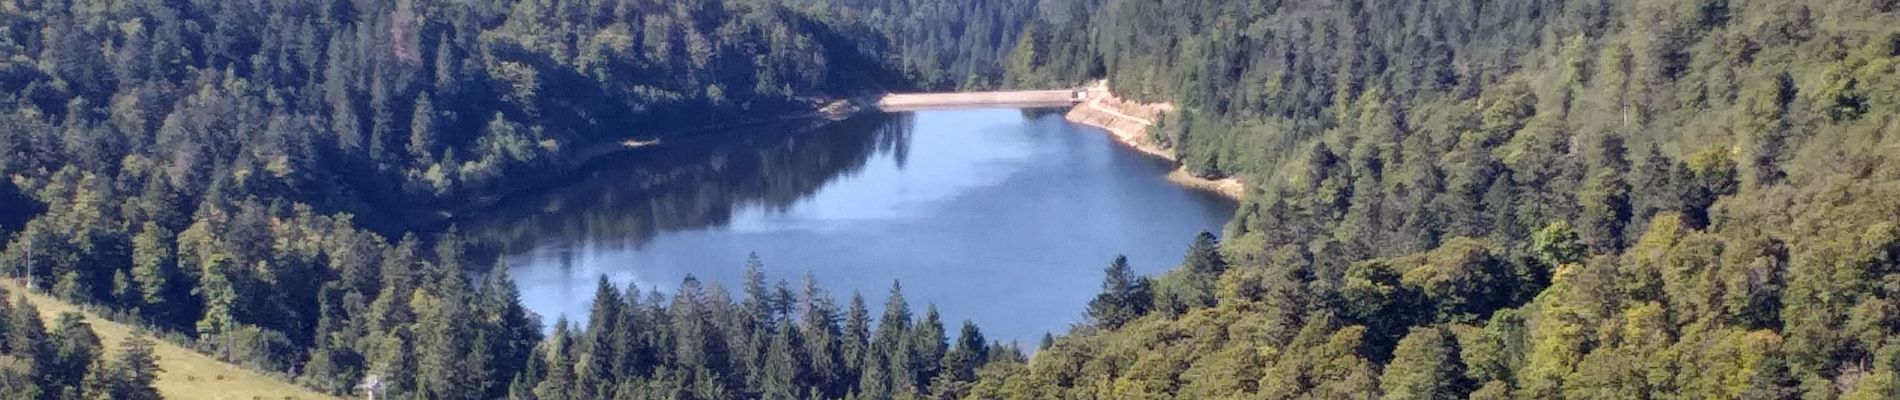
[(1001, 216)]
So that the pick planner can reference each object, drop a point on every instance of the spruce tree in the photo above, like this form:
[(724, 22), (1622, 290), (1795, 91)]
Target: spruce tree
[(136, 367), (890, 370), (1124, 296), (787, 370), (1203, 257), (698, 343), (750, 333), (422, 130), (594, 367), (929, 344), (822, 339), (442, 334), (100, 383), (27, 342), (855, 347), (335, 365), (632, 355), (559, 383), (757, 303), (515, 331), (970, 353), (75, 347)]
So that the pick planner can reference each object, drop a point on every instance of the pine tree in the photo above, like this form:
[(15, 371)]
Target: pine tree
[(1193, 287), (820, 325), (786, 369), (1124, 297), (633, 355), (855, 347), (422, 130), (757, 301), (1203, 257), (929, 344), (755, 321), (515, 332), (136, 368), (524, 383), (890, 369), (697, 341), (75, 347), (970, 353), (27, 341), (442, 334), (595, 367), (559, 384), (101, 382), (334, 366)]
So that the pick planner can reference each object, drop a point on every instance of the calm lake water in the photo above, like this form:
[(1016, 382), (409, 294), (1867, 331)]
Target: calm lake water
[(997, 216)]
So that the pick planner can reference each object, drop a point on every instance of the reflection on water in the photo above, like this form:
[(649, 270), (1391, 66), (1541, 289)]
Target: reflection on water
[(624, 201), (998, 216)]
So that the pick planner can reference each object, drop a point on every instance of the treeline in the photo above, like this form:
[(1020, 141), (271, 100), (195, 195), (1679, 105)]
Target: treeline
[(335, 307), (68, 361), (1547, 199), (776, 343), (932, 44)]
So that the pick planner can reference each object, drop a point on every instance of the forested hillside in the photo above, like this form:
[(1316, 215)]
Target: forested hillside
[(376, 107), (1688, 199), (1487, 199), (259, 180)]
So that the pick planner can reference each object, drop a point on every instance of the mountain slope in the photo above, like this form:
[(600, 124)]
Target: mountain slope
[(184, 374), (1499, 199)]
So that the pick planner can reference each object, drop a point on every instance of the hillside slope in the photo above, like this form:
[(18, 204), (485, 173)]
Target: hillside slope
[(1506, 199), (185, 374)]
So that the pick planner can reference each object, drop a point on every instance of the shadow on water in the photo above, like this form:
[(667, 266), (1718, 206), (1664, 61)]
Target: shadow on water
[(628, 199)]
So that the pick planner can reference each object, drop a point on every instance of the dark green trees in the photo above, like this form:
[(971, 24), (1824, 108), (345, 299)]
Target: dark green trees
[(788, 375), (1194, 287), (1124, 296), (1682, 199), (75, 349), (67, 361), (129, 375), (633, 348), (1425, 367)]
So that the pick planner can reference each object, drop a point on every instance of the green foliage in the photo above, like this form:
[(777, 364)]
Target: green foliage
[(1425, 366), (1177, 293), (1416, 168), (1124, 296), (130, 375), (1613, 199)]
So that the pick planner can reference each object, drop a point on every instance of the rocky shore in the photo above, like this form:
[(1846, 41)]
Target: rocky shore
[(1131, 123)]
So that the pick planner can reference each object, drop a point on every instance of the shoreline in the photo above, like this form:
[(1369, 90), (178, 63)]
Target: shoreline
[(1129, 123)]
